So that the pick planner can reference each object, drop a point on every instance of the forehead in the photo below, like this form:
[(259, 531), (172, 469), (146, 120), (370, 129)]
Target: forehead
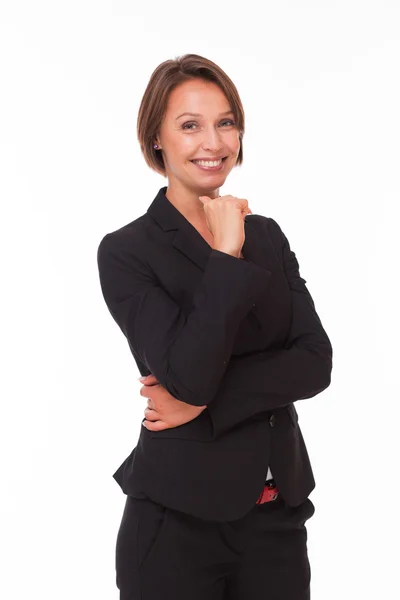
[(197, 96)]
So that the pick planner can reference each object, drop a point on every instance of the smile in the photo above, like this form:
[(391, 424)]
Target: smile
[(209, 165)]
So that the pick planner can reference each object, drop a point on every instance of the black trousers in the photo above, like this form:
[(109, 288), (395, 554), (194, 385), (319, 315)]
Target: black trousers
[(164, 554)]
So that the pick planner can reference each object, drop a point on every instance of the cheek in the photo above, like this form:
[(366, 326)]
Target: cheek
[(234, 146), (186, 146)]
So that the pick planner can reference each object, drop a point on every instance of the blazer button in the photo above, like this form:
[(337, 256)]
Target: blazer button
[(272, 420)]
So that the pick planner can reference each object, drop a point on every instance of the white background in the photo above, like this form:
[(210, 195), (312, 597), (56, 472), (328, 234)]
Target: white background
[(320, 86)]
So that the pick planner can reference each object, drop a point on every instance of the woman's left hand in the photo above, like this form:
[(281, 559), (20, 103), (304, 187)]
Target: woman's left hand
[(163, 410)]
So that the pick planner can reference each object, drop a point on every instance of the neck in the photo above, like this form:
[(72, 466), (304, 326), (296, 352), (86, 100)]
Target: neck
[(188, 203)]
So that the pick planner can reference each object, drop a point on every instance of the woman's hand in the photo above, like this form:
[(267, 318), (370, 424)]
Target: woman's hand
[(163, 410), (225, 220)]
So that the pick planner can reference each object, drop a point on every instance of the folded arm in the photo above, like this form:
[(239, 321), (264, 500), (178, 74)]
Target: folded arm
[(187, 354), (271, 379)]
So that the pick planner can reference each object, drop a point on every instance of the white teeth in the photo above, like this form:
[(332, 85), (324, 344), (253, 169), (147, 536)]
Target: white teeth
[(208, 163)]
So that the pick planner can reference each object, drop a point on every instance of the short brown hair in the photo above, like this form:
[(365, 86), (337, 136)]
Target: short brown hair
[(166, 77)]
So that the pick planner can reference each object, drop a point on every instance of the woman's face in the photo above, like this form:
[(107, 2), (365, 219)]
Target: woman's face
[(211, 133)]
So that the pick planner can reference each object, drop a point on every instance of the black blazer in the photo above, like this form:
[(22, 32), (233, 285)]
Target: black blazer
[(241, 336)]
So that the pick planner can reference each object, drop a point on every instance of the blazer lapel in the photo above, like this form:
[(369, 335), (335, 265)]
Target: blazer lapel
[(191, 243)]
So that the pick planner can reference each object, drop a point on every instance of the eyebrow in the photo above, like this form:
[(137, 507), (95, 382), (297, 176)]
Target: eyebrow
[(227, 112)]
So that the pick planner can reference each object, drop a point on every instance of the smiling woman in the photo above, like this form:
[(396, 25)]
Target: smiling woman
[(197, 154), (226, 346), (190, 128)]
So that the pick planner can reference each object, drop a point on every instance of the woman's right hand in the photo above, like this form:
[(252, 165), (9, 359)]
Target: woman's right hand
[(225, 220)]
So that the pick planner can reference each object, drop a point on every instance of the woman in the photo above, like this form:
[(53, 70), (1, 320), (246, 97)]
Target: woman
[(225, 333)]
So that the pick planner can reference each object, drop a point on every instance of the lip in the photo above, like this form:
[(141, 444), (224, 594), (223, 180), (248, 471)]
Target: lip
[(216, 158), (210, 169)]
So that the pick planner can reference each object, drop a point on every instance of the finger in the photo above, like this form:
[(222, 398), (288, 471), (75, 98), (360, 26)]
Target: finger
[(146, 390), (151, 414), (148, 379), (155, 425)]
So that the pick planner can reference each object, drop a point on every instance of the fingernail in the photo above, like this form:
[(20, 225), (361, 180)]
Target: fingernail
[(142, 378)]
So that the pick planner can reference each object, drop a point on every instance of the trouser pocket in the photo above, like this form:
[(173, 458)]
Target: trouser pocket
[(141, 526), (152, 519)]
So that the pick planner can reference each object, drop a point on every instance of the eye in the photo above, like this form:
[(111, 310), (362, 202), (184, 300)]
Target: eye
[(185, 125)]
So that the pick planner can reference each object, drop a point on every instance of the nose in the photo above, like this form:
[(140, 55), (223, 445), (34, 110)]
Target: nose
[(212, 140)]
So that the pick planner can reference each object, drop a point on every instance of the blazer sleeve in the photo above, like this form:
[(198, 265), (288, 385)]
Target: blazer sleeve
[(188, 354), (271, 379)]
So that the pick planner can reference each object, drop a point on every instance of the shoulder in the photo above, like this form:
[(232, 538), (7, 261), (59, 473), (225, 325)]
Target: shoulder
[(261, 221), (267, 226), (126, 250), (127, 237)]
